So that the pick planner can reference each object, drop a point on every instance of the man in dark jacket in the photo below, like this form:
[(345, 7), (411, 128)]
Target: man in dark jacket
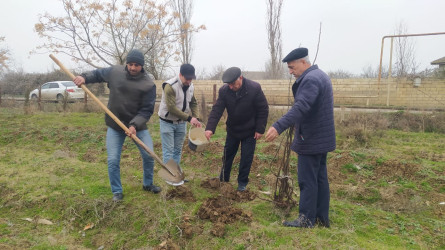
[(247, 110), (312, 114), (132, 99)]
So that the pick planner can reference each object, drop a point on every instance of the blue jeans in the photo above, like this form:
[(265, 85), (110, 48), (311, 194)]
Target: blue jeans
[(115, 141), (172, 136), (314, 187), (247, 150)]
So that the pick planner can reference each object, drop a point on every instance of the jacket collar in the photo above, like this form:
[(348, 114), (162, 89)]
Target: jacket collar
[(178, 79), (242, 91), (299, 79), (313, 67)]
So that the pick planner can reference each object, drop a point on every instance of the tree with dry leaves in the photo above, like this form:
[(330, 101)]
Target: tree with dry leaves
[(101, 33), (274, 67), (4, 57), (183, 10)]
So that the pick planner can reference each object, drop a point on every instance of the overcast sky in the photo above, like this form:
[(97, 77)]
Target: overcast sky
[(352, 31)]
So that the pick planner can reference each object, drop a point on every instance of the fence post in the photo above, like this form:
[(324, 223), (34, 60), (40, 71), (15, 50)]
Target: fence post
[(85, 101), (39, 101), (214, 94)]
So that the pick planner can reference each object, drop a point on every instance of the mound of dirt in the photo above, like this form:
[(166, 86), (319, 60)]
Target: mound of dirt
[(188, 230), (218, 229), (167, 245), (228, 191), (213, 183), (180, 192), (220, 209), (394, 169)]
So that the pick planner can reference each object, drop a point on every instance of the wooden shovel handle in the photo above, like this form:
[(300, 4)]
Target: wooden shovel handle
[(109, 113)]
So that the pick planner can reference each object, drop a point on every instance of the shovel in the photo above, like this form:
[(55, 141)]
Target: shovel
[(170, 172)]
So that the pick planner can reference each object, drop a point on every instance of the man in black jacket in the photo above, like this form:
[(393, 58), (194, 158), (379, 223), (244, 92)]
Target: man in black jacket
[(132, 99), (247, 110)]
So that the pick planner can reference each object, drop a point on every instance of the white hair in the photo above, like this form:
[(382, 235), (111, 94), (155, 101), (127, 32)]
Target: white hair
[(306, 59)]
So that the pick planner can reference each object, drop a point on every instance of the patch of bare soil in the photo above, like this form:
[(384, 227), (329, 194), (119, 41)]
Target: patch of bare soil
[(228, 191), (218, 229), (212, 183), (180, 192), (220, 210), (188, 229), (393, 170), (167, 245), (335, 163), (91, 155)]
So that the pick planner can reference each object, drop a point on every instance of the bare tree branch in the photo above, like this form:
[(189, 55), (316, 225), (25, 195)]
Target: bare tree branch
[(101, 33), (183, 11), (405, 61), (318, 45), (274, 67)]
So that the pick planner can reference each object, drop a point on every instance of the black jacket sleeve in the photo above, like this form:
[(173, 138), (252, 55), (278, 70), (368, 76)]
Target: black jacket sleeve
[(217, 111), (262, 113), (146, 110)]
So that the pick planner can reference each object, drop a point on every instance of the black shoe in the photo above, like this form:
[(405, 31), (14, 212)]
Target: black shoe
[(300, 222), (241, 188), (322, 223), (152, 188), (118, 196)]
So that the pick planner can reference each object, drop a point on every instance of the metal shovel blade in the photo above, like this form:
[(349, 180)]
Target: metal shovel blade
[(175, 177)]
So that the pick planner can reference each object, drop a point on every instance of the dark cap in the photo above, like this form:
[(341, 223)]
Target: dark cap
[(231, 74), (135, 56), (188, 71), (296, 54)]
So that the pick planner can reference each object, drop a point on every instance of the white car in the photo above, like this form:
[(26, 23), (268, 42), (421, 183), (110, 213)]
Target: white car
[(56, 91)]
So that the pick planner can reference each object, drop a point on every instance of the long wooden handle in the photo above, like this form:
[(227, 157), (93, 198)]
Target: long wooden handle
[(109, 113)]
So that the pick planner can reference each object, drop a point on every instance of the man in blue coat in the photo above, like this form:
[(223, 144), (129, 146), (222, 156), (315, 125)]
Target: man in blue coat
[(312, 114)]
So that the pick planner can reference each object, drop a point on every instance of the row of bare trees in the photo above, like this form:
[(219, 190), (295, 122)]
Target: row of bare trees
[(101, 33)]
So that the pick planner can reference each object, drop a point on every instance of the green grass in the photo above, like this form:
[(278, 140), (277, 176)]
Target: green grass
[(53, 166)]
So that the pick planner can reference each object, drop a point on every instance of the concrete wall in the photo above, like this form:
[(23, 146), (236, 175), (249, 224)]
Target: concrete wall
[(430, 94)]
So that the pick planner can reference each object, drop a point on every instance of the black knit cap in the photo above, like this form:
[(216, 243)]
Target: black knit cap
[(296, 54), (135, 56), (188, 71), (231, 75)]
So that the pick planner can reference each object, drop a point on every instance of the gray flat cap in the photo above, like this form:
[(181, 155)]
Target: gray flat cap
[(296, 54), (231, 74)]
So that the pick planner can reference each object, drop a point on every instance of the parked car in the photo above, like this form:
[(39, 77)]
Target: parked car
[(56, 91)]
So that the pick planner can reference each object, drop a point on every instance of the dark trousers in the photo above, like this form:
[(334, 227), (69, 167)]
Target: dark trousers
[(314, 187), (230, 149)]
